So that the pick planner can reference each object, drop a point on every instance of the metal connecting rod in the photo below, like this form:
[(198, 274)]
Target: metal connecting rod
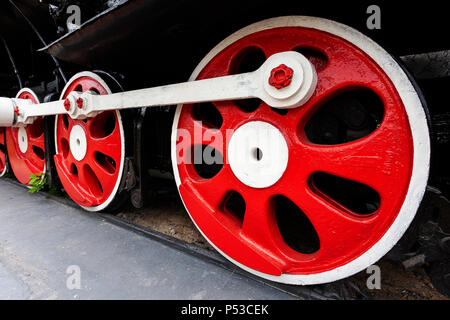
[(285, 80)]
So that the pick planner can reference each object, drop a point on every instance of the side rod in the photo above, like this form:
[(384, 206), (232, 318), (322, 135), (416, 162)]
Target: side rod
[(285, 80)]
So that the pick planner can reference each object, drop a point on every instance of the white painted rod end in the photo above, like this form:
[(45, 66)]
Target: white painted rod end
[(7, 115)]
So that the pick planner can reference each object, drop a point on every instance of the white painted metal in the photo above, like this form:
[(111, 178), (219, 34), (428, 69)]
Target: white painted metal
[(78, 142), (304, 81), (22, 138), (28, 112), (7, 116), (25, 103), (419, 129), (258, 154), (243, 86)]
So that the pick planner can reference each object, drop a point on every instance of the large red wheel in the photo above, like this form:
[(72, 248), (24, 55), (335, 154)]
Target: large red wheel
[(2, 152), (26, 145), (90, 153), (313, 194)]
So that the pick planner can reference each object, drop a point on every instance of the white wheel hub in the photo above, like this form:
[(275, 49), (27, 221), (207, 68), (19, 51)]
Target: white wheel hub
[(258, 154), (22, 139), (78, 142)]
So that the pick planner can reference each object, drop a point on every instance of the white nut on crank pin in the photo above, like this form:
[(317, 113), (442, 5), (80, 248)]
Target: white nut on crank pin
[(79, 105), (289, 80)]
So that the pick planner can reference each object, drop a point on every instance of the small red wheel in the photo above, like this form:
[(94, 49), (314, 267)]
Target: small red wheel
[(313, 194), (2, 152), (26, 145), (90, 153)]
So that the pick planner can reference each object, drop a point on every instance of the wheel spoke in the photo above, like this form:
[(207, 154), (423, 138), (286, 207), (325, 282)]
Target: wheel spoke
[(33, 167), (260, 227), (212, 192), (196, 133), (356, 71), (371, 160), (337, 230), (37, 142), (86, 181), (209, 137), (62, 131), (34, 163), (105, 178), (209, 196), (109, 145)]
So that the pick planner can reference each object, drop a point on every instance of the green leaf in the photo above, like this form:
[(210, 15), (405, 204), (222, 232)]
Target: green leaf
[(37, 182)]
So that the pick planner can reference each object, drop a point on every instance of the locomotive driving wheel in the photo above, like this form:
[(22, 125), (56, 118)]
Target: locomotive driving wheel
[(313, 194), (26, 145), (90, 153)]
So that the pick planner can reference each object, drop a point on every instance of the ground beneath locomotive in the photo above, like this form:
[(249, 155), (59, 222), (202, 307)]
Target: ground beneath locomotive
[(166, 214)]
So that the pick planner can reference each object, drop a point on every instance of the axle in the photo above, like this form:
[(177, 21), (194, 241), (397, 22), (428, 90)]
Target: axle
[(285, 80)]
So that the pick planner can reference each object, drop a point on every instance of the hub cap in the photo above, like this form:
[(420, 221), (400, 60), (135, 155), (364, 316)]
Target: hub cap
[(78, 142), (22, 139), (258, 154)]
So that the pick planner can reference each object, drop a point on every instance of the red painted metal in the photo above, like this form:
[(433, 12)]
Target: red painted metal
[(33, 160), (2, 153), (67, 104), (80, 103), (91, 181), (281, 76), (382, 161)]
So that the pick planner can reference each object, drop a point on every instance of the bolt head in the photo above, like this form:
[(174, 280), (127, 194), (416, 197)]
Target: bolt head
[(80, 103), (67, 104), (281, 76)]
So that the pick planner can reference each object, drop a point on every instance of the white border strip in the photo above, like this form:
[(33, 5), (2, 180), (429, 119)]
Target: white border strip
[(6, 153)]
